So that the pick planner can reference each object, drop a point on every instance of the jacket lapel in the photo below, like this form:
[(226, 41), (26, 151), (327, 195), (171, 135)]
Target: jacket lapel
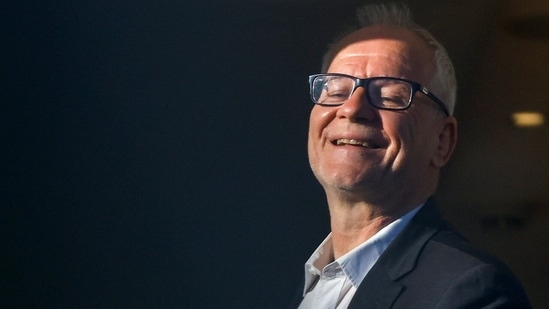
[(377, 290), (380, 288)]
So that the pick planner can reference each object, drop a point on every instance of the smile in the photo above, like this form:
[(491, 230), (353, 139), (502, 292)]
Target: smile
[(346, 141)]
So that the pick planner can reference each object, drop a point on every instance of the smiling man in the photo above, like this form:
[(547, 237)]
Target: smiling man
[(380, 131)]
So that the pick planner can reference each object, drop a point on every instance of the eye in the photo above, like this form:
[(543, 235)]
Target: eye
[(338, 88), (388, 93), (341, 93)]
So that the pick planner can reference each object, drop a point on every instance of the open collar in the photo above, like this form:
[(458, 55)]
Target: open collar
[(380, 288)]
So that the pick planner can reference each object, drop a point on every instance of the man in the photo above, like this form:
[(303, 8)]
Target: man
[(380, 131)]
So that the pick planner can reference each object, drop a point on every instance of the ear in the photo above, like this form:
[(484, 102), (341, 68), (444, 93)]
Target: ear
[(447, 140)]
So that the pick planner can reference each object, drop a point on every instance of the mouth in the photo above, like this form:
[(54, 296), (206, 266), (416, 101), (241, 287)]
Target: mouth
[(353, 142)]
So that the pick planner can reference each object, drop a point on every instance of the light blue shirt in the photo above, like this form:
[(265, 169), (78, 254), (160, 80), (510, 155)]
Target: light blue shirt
[(332, 284)]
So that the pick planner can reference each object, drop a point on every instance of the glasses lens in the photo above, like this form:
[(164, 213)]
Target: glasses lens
[(389, 93), (331, 90)]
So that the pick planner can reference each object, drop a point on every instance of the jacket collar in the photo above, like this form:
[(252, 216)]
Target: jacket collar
[(380, 288)]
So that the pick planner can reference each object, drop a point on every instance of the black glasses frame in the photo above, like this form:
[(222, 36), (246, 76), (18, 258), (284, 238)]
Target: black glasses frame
[(364, 82)]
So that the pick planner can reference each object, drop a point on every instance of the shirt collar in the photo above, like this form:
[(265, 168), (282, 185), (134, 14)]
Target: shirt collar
[(322, 256), (356, 263)]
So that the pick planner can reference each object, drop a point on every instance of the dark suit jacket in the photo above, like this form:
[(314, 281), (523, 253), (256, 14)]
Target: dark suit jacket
[(430, 265)]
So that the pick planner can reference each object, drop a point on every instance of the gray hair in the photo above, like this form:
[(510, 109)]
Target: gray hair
[(399, 15)]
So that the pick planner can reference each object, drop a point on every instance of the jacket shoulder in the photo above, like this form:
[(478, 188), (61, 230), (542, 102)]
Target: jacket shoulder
[(431, 265)]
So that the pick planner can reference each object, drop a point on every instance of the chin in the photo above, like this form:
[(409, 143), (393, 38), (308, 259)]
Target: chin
[(350, 185)]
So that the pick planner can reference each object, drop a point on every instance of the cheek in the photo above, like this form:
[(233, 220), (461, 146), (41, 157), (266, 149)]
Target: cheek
[(403, 140), (319, 119), (311, 149), (318, 115), (313, 142), (411, 144)]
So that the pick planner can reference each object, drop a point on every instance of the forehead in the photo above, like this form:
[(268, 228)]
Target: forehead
[(384, 51)]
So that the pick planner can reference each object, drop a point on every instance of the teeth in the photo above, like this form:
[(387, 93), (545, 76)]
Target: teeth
[(346, 141)]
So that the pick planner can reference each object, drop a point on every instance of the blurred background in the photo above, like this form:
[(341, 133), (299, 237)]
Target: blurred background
[(154, 152)]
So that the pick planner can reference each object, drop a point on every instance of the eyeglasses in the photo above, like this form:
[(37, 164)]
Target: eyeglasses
[(389, 93)]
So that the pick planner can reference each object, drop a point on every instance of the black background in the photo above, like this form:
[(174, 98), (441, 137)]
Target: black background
[(154, 152)]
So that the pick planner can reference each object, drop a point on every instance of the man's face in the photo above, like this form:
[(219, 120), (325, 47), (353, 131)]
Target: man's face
[(355, 147)]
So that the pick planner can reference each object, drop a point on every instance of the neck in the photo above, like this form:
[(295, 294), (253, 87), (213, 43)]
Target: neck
[(355, 221)]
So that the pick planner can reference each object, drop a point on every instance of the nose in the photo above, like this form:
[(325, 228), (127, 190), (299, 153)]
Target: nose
[(357, 108)]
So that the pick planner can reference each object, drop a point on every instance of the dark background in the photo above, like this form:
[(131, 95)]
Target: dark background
[(154, 152)]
